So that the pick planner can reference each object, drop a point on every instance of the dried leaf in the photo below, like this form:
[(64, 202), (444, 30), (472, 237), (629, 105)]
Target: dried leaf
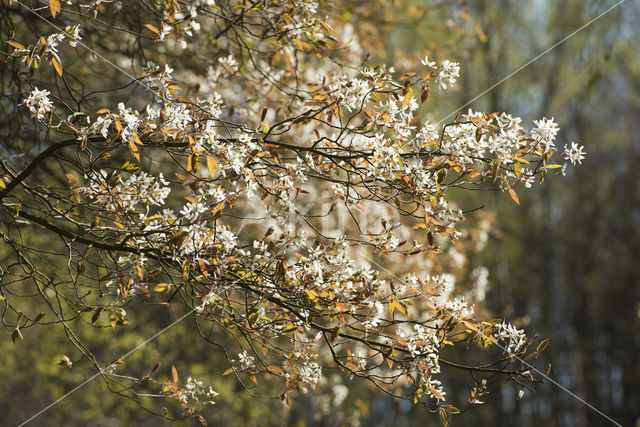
[(203, 267), (424, 95)]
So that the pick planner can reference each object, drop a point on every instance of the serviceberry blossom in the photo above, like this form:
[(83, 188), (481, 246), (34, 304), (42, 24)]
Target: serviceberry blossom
[(246, 361), (101, 125), (39, 103), (449, 72), (545, 132), (228, 63), (195, 392), (207, 300), (72, 33), (310, 373), (434, 389), (427, 63), (141, 189), (575, 153), (459, 308), (514, 338)]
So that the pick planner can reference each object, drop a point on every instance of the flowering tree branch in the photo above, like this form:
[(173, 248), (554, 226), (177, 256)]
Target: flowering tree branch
[(253, 181)]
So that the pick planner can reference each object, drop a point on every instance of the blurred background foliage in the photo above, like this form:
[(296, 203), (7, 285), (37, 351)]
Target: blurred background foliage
[(564, 263)]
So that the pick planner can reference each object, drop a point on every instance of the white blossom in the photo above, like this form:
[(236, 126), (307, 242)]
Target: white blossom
[(514, 338), (575, 153), (449, 72), (39, 103)]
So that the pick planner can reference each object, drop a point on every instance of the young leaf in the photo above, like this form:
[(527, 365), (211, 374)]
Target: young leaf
[(211, 165), (57, 65), (134, 150), (15, 44), (152, 28), (407, 97), (54, 5), (542, 345), (514, 196)]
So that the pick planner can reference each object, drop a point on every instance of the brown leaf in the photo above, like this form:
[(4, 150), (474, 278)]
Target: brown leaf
[(203, 267), (424, 95)]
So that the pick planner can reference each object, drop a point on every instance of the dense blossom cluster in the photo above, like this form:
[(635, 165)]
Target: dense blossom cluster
[(514, 338), (220, 196), (39, 103)]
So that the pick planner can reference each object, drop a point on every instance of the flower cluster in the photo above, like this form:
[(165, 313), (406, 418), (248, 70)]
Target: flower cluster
[(575, 154), (118, 195), (246, 361), (47, 48), (39, 103), (195, 392), (514, 338)]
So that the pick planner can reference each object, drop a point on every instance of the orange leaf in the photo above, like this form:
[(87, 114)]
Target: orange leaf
[(401, 307), (174, 374), (275, 369), (470, 325), (54, 5), (203, 267), (152, 28), (435, 393), (15, 44), (514, 196)]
